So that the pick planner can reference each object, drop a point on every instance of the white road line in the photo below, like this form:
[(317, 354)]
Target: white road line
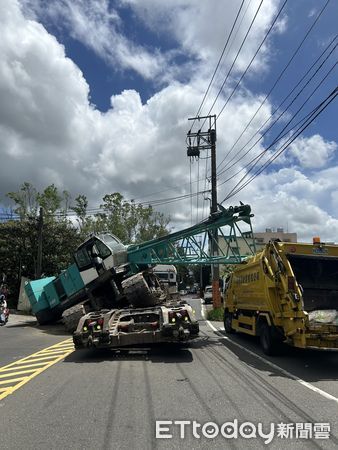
[(202, 309), (280, 369)]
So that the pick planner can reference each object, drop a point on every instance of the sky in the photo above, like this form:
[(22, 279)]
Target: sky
[(96, 96)]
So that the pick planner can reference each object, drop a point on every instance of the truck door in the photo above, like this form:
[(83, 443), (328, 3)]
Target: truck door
[(85, 263)]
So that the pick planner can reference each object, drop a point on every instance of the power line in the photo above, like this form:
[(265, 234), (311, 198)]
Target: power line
[(198, 187), (253, 162), (254, 56), (279, 76), (228, 166), (205, 179), (315, 113), (158, 202), (218, 63), (234, 61), (264, 151), (190, 193)]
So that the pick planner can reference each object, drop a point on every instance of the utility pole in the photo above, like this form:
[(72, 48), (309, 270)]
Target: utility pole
[(39, 258), (206, 140)]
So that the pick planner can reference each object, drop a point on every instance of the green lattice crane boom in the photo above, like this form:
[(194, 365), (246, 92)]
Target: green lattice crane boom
[(190, 246)]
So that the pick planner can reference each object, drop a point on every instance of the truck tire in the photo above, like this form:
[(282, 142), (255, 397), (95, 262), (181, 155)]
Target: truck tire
[(270, 344), (71, 317), (137, 291), (227, 322)]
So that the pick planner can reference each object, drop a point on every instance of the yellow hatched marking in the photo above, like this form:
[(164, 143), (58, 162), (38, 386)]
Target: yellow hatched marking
[(39, 360), (63, 343), (27, 359), (12, 380), (42, 358), (61, 349), (52, 352), (10, 374), (19, 366), (64, 347)]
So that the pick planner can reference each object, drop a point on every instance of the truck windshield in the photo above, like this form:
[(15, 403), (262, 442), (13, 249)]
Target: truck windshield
[(110, 240), (82, 258), (318, 276)]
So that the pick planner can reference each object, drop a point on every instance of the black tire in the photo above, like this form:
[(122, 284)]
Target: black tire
[(72, 316), (227, 322), (137, 291), (270, 344)]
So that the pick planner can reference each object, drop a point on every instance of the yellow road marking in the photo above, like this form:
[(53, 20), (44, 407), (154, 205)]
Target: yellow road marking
[(42, 358), (36, 363), (12, 380), (54, 352), (63, 343), (20, 366), (16, 373)]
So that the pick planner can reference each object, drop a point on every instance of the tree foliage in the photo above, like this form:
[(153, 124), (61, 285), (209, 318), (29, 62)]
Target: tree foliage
[(130, 222)]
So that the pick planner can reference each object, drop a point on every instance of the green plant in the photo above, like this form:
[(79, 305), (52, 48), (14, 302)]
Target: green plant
[(216, 314)]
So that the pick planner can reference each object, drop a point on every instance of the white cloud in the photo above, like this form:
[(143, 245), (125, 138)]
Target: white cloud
[(313, 152), (287, 198), (201, 28), (98, 25)]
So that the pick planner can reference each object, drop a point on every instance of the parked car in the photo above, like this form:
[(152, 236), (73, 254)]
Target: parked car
[(208, 294)]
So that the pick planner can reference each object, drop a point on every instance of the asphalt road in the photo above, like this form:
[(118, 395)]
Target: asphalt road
[(106, 400)]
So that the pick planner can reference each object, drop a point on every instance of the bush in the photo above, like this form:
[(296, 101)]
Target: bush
[(216, 314)]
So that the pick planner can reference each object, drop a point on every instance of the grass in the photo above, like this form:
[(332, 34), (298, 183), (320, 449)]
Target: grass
[(216, 314)]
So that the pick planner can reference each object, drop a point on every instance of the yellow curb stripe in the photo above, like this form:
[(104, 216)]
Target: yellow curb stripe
[(40, 360)]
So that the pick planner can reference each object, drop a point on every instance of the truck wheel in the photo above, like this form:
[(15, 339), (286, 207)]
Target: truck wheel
[(72, 316), (227, 323), (137, 291), (270, 345)]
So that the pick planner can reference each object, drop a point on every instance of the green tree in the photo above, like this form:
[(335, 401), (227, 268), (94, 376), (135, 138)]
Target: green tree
[(128, 221), (25, 200), (80, 209)]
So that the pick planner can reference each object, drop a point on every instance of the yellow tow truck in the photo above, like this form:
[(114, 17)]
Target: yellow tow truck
[(287, 293)]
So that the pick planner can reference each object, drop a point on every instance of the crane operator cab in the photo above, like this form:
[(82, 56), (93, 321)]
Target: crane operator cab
[(99, 255)]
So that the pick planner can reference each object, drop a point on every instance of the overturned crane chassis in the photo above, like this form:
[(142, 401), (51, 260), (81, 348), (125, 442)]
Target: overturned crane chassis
[(119, 328), (111, 297)]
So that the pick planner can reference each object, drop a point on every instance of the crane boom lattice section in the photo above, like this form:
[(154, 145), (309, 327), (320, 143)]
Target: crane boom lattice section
[(191, 245)]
